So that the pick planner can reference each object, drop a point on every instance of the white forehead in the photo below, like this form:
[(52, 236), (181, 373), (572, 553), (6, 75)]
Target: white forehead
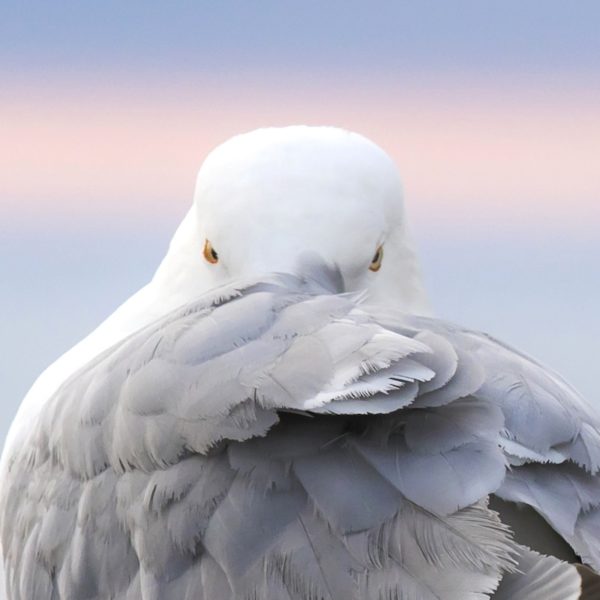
[(297, 185), (277, 168)]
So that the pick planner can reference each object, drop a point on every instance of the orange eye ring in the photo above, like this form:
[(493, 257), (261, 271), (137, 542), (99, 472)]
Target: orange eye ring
[(210, 254), (377, 259)]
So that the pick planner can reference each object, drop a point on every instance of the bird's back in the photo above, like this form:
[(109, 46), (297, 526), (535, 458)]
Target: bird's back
[(278, 439)]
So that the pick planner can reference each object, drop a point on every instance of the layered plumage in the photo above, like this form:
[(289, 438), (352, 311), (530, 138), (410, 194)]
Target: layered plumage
[(281, 438)]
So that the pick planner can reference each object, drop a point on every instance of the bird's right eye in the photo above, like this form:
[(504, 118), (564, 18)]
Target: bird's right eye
[(377, 259), (210, 254)]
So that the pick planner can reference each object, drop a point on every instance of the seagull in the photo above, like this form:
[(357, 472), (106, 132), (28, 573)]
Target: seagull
[(278, 416)]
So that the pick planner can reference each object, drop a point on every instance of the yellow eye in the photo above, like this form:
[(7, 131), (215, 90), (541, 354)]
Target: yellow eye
[(210, 254), (377, 259)]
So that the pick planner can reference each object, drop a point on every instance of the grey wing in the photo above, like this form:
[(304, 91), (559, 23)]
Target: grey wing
[(551, 437), (552, 440), (279, 441)]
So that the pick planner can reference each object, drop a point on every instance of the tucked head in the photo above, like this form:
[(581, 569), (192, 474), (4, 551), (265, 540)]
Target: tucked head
[(262, 200), (265, 198)]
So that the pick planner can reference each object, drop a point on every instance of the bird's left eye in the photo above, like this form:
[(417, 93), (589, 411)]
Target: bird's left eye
[(377, 259), (210, 254)]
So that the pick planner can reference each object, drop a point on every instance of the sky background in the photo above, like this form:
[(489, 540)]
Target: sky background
[(491, 110)]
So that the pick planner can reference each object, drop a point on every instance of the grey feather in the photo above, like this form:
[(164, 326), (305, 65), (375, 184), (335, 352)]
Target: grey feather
[(540, 578), (328, 480), (448, 485), (567, 497), (280, 439)]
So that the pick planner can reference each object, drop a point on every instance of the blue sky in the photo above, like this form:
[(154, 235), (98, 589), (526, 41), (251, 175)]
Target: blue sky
[(508, 36)]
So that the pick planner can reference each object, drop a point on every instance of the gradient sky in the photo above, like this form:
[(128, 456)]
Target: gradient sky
[(491, 109)]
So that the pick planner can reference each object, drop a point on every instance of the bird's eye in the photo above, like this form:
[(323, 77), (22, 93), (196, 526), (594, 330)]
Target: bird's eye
[(210, 254), (377, 259)]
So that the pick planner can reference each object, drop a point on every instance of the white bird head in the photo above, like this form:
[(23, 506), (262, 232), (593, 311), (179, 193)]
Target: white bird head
[(265, 198)]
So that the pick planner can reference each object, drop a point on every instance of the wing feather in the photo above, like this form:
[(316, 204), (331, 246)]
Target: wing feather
[(282, 439)]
